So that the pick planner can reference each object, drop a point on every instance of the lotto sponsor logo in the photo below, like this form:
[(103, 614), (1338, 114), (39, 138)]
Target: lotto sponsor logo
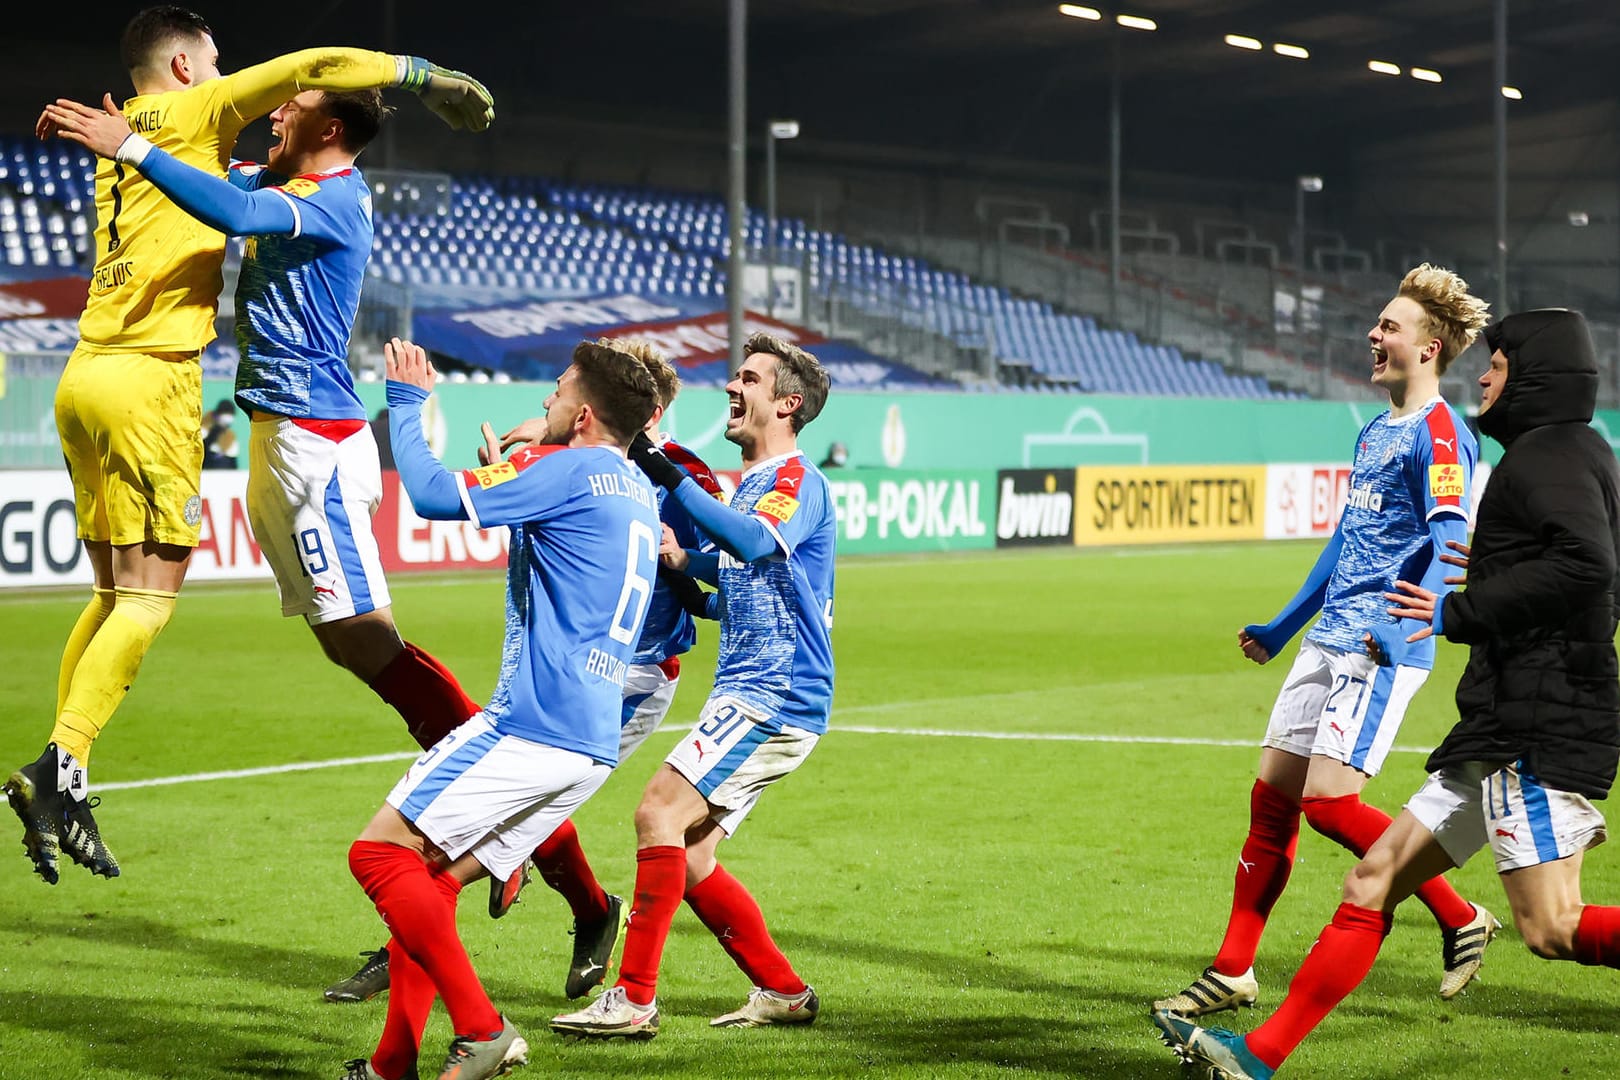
[(488, 476), (1034, 506), (1446, 481), (301, 186), (1149, 504), (777, 505)]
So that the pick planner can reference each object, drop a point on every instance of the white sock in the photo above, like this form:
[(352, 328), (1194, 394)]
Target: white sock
[(71, 777)]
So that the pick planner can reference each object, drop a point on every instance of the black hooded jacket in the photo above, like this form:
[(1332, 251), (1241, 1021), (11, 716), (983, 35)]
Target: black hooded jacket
[(1539, 609)]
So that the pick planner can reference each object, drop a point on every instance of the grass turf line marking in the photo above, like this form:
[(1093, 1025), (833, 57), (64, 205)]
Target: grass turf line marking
[(926, 733)]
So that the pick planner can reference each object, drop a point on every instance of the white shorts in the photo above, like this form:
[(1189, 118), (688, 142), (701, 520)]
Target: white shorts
[(1341, 705), (310, 501), (733, 755), (497, 796), (648, 692), (1525, 823)]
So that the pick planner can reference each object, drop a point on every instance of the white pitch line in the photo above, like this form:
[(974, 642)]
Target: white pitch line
[(267, 770), (929, 733)]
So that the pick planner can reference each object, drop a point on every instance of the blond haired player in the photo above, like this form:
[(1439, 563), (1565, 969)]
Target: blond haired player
[(1343, 700), (128, 405)]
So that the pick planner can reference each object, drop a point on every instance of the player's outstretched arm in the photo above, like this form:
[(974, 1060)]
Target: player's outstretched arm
[(1276, 634), (742, 535), (457, 99), (213, 201), (431, 487)]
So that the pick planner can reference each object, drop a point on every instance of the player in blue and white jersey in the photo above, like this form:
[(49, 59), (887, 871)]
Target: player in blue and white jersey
[(649, 686), (1345, 696), (579, 579), (770, 704), (315, 479)]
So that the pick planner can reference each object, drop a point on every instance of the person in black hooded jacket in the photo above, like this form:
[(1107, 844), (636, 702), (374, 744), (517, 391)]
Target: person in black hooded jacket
[(1538, 736)]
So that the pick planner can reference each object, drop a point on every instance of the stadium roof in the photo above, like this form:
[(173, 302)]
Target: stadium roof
[(1008, 78)]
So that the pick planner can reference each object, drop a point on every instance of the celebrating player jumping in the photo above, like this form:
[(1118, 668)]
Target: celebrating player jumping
[(1347, 692)]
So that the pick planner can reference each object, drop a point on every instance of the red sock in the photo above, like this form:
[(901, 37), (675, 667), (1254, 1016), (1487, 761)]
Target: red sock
[(660, 881), (1262, 873), (1352, 824), (418, 906), (1336, 964), (563, 866), (425, 694), (1597, 939), (733, 916), (410, 1000)]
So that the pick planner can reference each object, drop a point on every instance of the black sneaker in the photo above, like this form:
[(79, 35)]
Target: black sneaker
[(81, 840), (365, 984), (31, 790), (503, 894), (593, 947)]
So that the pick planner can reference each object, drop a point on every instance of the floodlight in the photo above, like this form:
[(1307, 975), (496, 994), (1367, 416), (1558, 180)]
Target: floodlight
[(1512, 93), (1239, 41), (1312, 184), (1425, 75), (1383, 67), (1136, 22), (1076, 11), (784, 129), (1579, 219), (1295, 52)]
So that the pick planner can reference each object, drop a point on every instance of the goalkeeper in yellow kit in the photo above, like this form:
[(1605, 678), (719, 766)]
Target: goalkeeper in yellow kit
[(130, 400)]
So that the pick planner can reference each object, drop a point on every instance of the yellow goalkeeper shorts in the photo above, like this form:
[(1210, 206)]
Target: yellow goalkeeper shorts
[(131, 430)]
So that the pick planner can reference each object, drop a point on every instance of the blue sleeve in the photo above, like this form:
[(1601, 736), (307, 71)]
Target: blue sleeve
[(743, 535), (530, 486), (245, 176), (1277, 633), (216, 203), (704, 566), (430, 485), (331, 210), (1442, 464), (795, 518)]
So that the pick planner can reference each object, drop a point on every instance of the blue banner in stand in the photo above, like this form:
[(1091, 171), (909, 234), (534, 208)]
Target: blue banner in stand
[(534, 339)]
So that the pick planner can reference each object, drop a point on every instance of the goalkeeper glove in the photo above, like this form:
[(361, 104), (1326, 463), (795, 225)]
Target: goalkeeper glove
[(458, 99), (659, 469)]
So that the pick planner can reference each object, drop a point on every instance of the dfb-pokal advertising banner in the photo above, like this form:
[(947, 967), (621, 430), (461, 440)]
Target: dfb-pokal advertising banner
[(878, 511), (901, 510)]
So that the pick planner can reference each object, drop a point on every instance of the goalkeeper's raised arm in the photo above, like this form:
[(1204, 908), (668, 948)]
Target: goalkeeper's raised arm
[(458, 99)]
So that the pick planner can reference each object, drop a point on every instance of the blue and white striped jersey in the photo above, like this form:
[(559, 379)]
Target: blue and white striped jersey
[(1406, 471), (297, 296), (776, 614), (578, 582)]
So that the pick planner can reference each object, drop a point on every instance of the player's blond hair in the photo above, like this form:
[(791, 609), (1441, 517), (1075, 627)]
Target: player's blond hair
[(1450, 312), (663, 373)]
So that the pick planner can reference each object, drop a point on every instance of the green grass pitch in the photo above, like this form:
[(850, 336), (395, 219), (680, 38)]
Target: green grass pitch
[(966, 906)]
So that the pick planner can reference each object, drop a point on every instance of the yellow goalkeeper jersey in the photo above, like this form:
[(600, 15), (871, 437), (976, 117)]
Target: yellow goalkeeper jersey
[(156, 283)]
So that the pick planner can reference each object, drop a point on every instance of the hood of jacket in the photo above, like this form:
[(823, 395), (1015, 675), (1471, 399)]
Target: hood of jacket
[(1552, 373)]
